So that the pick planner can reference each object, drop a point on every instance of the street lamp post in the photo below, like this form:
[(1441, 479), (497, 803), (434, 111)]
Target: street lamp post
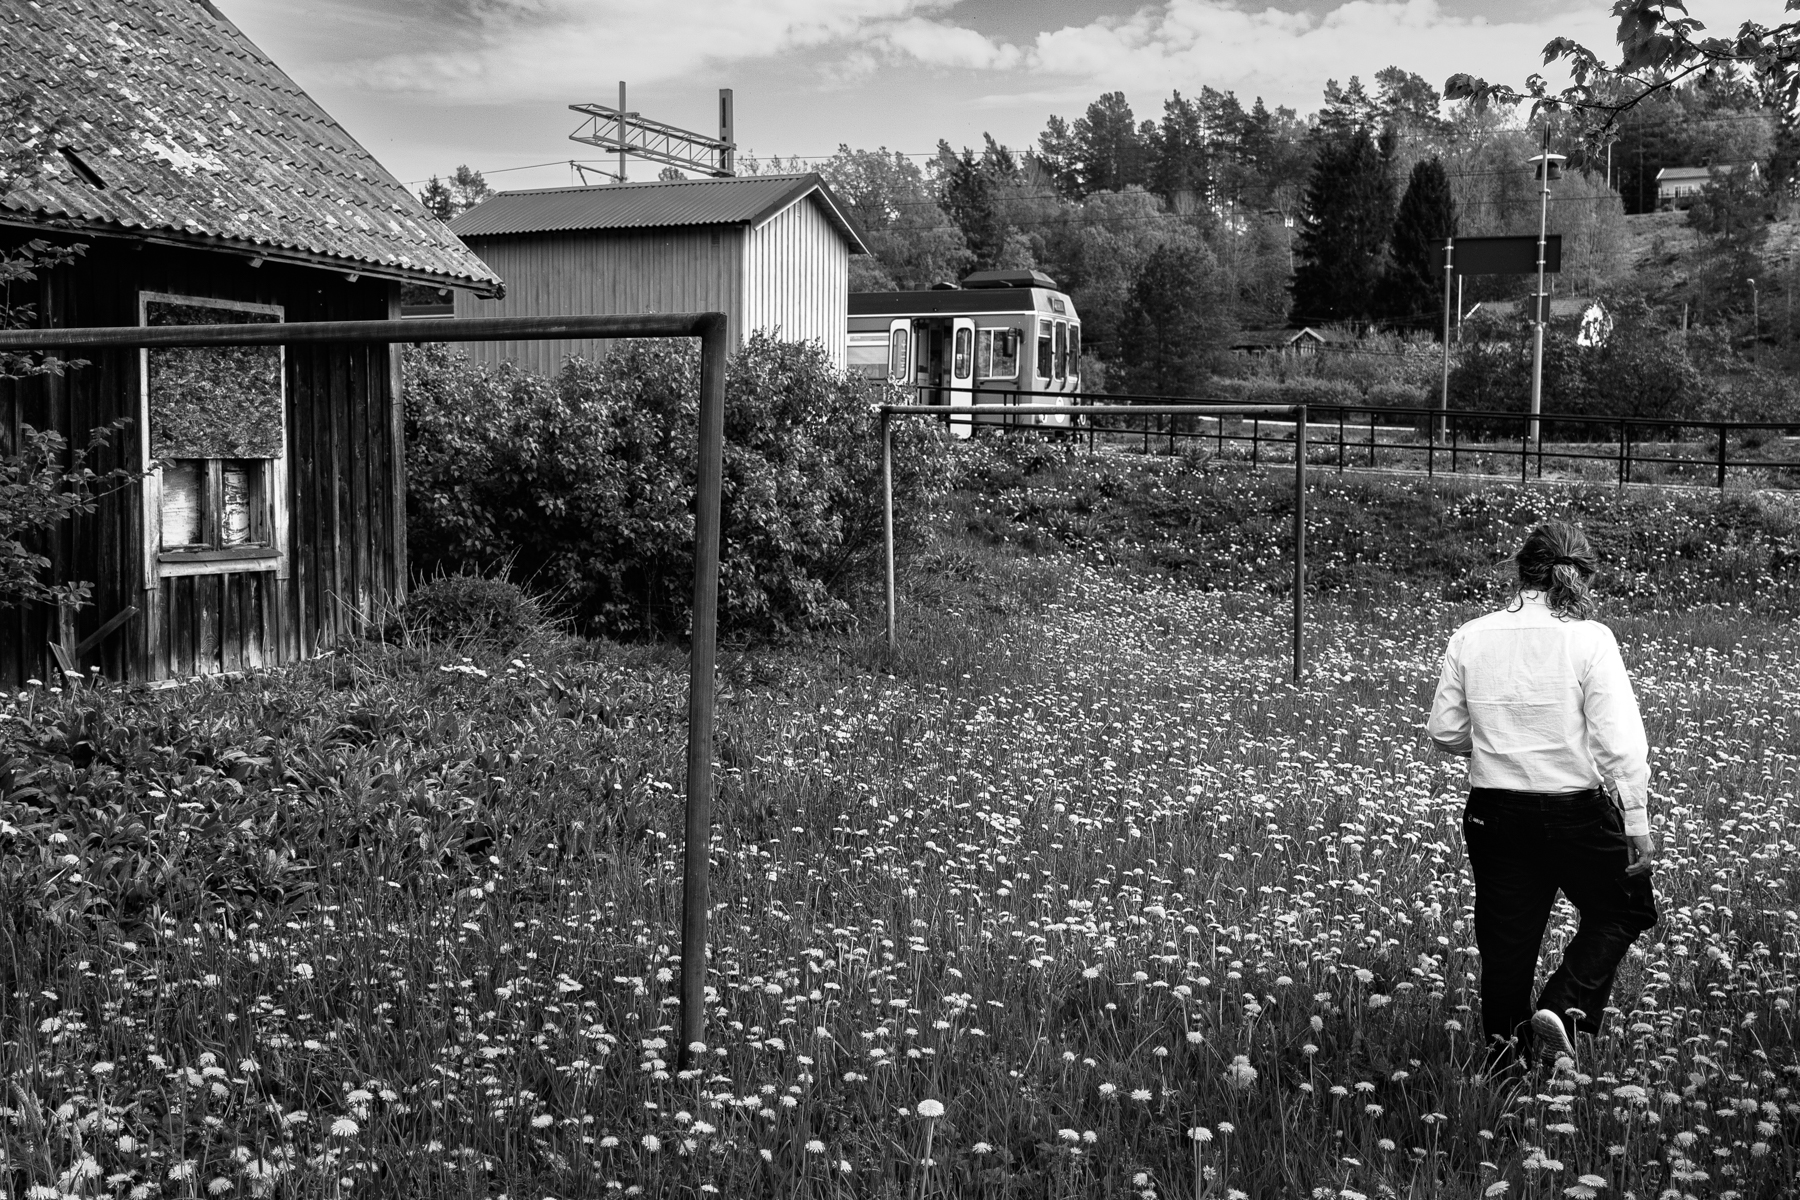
[(1549, 167)]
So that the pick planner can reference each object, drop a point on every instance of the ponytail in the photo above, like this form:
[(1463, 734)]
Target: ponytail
[(1557, 560)]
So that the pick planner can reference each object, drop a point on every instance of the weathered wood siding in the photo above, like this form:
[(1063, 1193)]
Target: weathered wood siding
[(346, 531), (603, 273), (797, 279)]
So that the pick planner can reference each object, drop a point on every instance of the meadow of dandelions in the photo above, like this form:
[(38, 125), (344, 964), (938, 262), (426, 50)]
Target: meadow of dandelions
[(1077, 897)]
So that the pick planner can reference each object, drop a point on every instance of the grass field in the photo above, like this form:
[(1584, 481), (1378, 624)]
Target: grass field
[(1079, 865)]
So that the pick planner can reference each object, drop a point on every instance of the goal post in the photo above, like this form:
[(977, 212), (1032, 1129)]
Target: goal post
[(1296, 411)]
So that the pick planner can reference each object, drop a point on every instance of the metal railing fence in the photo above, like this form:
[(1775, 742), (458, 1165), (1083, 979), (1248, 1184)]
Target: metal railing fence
[(1436, 441)]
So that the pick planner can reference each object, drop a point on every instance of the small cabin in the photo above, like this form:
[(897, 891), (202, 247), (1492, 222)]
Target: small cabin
[(1678, 187), (268, 518), (772, 252), (1301, 343)]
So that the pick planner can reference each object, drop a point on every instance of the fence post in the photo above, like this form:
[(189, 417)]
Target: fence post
[(1430, 449), (1525, 457), (887, 515), (1371, 441), (1450, 431), (1621, 454), (1255, 438), (1340, 441), (1299, 542), (1721, 456), (1625, 446)]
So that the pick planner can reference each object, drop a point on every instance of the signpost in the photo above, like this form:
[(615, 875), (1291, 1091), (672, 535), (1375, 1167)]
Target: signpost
[(1524, 255)]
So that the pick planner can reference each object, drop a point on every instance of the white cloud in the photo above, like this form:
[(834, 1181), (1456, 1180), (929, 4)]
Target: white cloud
[(941, 44), (559, 53)]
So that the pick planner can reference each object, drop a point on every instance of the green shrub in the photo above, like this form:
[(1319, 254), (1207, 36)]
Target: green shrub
[(584, 484), (472, 608)]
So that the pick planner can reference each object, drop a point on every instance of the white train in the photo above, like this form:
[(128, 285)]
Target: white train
[(1001, 338)]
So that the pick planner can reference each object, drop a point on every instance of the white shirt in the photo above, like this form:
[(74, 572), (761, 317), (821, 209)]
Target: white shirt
[(1542, 704)]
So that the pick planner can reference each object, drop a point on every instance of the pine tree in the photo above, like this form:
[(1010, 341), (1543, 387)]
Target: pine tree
[(1413, 288), (1109, 148), (1177, 155), (436, 198), (1349, 214), (1179, 318)]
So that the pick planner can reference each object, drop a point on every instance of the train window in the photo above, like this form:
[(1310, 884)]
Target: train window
[(1074, 351), (1062, 349), (1044, 352), (899, 356), (997, 354), (961, 365)]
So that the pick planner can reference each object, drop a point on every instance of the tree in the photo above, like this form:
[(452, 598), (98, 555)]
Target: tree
[(447, 201), (1177, 152), (1349, 213), (914, 243), (1177, 318), (437, 201), (1413, 287), (1106, 148), (974, 193)]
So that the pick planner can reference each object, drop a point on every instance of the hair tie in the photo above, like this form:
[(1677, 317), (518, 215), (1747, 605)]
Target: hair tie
[(1565, 561)]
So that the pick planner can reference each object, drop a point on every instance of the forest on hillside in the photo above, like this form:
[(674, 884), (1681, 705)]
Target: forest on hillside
[(1212, 216)]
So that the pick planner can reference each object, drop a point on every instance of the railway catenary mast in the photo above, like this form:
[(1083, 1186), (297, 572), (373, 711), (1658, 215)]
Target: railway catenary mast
[(1002, 338)]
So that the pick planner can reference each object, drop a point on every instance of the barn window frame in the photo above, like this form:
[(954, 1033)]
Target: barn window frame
[(264, 480)]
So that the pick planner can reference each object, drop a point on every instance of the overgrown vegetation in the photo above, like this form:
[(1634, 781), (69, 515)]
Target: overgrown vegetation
[(582, 486), (1078, 864)]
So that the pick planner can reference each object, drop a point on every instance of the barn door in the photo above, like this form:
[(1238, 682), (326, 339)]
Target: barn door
[(962, 374)]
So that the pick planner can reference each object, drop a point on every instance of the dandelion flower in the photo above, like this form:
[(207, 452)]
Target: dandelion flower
[(343, 1127), (652, 1143), (815, 1147), (1201, 1134), (1240, 1074), (981, 1148), (931, 1108)]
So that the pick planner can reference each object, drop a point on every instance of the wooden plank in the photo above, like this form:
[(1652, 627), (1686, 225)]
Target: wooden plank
[(206, 624), (364, 509), (179, 604), (87, 644), (231, 622), (260, 647)]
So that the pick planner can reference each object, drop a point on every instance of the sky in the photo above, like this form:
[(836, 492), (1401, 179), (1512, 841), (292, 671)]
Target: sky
[(430, 84)]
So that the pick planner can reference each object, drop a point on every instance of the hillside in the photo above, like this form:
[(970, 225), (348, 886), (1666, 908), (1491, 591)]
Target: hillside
[(1663, 251)]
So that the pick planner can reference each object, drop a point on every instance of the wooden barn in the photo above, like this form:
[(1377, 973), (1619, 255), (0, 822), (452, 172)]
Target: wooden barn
[(207, 188), (770, 251)]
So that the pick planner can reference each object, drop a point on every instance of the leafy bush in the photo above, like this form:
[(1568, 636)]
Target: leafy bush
[(1302, 390), (472, 608), (584, 483)]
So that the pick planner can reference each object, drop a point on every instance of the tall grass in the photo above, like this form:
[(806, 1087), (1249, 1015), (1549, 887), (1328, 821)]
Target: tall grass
[(1079, 863)]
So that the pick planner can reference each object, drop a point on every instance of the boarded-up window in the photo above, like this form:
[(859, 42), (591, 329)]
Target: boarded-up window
[(216, 432), (213, 401)]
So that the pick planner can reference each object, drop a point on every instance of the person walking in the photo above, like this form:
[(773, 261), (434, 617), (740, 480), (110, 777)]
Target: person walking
[(1537, 698)]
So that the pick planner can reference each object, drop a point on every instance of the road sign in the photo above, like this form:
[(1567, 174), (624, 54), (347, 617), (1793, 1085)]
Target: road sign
[(1505, 255)]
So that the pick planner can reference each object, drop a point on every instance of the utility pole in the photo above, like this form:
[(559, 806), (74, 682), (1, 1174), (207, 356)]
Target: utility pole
[(1444, 398), (622, 115), (1543, 305)]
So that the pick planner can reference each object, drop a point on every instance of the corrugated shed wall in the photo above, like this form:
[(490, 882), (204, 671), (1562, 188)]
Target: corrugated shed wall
[(797, 279), (587, 273)]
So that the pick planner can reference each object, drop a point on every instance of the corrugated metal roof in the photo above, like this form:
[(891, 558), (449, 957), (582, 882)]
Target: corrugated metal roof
[(198, 135), (745, 200)]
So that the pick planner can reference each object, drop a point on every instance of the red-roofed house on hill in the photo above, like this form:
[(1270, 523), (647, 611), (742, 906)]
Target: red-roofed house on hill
[(208, 188), (772, 252)]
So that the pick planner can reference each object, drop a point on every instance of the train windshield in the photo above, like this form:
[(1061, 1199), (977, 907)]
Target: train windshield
[(1074, 351), (1062, 349), (1044, 350)]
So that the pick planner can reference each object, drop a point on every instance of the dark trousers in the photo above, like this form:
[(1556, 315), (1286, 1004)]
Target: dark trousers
[(1523, 846)]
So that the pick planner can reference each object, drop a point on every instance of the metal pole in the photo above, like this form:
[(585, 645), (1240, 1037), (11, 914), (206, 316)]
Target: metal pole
[(1449, 273), (697, 849), (1299, 543), (887, 516), (1721, 456), (621, 131), (1621, 454), (1537, 324)]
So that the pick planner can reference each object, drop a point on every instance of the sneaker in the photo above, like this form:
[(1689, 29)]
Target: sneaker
[(1552, 1036)]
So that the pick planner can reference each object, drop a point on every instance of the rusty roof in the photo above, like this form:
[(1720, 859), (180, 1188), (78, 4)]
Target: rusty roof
[(184, 131), (745, 200)]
